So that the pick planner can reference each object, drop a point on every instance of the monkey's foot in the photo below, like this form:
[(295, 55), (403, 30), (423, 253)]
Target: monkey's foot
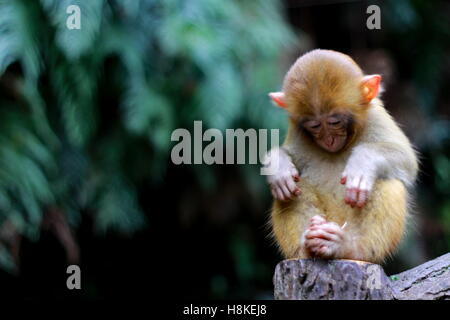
[(323, 239)]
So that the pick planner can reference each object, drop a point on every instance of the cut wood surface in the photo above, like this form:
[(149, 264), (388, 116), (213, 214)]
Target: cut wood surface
[(315, 279)]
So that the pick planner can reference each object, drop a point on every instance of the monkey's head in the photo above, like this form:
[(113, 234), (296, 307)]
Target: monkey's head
[(327, 97)]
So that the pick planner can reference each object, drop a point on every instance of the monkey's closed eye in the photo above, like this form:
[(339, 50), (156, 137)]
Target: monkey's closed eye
[(334, 122), (312, 124)]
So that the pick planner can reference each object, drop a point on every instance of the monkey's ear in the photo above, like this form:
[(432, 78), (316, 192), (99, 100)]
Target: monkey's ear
[(278, 98), (370, 86)]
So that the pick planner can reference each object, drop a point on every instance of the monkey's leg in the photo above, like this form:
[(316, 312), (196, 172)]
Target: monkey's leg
[(378, 229), (371, 234), (289, 221)]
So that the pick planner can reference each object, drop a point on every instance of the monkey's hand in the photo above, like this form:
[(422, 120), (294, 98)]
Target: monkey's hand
[(358, 177), (324, 239), (284, 175)]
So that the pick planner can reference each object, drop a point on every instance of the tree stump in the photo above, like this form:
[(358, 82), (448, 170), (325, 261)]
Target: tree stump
[(315, 279)]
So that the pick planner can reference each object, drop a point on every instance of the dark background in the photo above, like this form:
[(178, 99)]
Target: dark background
[(139, 225)]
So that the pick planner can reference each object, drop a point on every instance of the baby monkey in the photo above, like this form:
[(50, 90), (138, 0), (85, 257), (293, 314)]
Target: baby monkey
[(344, 169)]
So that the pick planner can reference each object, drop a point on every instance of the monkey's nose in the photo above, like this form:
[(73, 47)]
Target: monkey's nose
[(329, 141)]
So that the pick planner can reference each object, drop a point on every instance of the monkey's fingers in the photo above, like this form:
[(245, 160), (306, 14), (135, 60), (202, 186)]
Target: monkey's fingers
[(319, 247), (285, 191), (322, 234), (322, 248), (351, 196), (274, 194), (294, 174), (356, 197), (353, 185), (316, 220), (277, 193), (331, 230), (281, 192), (358, 189), (326, 251), (362, 198), (313, 245), (292, 187), (365, 187)]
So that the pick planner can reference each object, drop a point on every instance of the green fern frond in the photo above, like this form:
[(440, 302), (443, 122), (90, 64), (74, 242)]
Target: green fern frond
[(220, 96), (75, 88), (75, 42), (19, 36), (117, 208)]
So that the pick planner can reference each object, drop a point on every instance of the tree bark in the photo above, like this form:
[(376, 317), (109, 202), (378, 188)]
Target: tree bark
[(429, 281), (315, 279)]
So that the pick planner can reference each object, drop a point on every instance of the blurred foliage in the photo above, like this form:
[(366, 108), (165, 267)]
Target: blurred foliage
[(419, 36), (422, 32), (87, 115)]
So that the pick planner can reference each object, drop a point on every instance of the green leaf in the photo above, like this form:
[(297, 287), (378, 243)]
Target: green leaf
[(220, 96), (75, 87), (394, 278), (19, 37), (118, 209), (7, 261), (76, 42)]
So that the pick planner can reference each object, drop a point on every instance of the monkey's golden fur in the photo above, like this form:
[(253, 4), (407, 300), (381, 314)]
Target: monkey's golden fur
[(322, 83), (378, 227)]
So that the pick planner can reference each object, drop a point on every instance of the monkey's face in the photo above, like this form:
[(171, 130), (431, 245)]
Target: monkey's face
[(327, 96), (330, 132)]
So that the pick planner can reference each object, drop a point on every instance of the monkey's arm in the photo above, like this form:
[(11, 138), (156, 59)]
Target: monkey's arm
[(383, 152), (377, 160), (283, 174), (387, 160)]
